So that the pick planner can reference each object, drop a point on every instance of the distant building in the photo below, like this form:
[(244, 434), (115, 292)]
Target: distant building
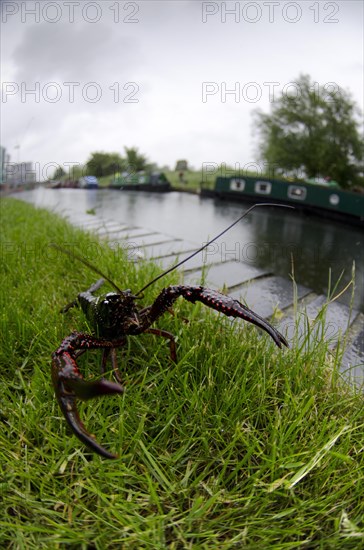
[(181, 165), (19, 174), (4, 160)]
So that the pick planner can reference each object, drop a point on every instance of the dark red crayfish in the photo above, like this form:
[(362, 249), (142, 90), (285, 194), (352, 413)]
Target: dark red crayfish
[(115, 316)]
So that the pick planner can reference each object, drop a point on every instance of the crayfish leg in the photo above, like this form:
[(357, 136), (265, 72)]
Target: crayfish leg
[(170, 337)]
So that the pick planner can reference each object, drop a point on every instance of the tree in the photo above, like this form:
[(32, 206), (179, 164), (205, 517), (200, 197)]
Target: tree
[(313, 132), (103, 164), (136, 162), (59, 173)]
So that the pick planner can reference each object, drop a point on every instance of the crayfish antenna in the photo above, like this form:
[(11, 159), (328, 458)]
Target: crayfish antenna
[(210, 242), (69, 306)]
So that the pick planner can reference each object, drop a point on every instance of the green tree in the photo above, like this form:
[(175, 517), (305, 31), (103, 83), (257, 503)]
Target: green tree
[(313, 132), (136, 162), (76, 171), (103, 164), (59, 173)]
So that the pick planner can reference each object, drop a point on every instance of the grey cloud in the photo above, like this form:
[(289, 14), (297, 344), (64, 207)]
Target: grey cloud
[(73, 52)]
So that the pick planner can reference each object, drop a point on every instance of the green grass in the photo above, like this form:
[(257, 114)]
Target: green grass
[(238, 445), (105, 181), (193, 180)]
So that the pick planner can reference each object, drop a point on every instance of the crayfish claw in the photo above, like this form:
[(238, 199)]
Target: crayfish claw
[(217, 301), (70, 412), (88, 390), (67, 399), (69, 386)]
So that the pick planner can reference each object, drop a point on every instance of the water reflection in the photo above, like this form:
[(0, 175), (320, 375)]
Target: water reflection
[(281, 240), (318, 252)]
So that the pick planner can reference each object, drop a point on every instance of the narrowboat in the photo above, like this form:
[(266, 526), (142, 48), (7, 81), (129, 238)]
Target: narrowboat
[(325, 200), (155, 181), (88, 182)]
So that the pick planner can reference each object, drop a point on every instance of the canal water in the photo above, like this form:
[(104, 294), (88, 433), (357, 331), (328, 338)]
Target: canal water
[(286, 242)]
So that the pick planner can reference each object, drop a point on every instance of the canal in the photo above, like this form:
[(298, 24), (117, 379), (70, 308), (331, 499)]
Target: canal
[(285, 242)]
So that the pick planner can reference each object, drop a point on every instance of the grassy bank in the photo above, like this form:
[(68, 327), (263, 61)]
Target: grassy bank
[(238, 445), (192, 180)]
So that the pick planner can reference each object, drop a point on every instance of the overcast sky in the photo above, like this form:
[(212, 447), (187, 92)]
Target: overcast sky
[(176, 79)]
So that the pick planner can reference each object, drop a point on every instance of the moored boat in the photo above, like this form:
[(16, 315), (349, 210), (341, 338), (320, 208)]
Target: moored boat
[(156, 182), (325, 200)]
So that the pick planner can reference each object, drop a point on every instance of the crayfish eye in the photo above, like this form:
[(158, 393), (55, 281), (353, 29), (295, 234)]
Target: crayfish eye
[(128, 295), (111, 298)]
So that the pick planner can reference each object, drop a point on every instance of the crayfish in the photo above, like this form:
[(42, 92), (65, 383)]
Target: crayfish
[(113, 317)]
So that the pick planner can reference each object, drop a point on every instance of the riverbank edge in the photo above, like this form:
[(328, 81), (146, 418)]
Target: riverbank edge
[(208, 193)]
